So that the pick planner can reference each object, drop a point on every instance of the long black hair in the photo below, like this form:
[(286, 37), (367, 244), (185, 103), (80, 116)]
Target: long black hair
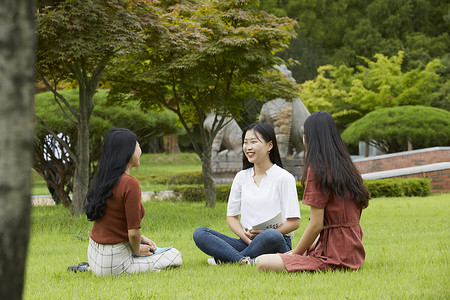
[(118, 148), (330, 161), (268, 134)]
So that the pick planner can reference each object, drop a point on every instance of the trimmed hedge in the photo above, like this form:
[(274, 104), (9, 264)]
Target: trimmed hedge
[(390, 187), (398, 187), (196, 193), (193, 178)]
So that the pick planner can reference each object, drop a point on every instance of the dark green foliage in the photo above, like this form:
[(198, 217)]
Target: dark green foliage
[(147, 126), (196, 193), (175, 179), (390, 129), (398, 187), (223, 192), (395, 187), (304, 57), (300, 189), (76, 41), (207, 56), (341, 31), (77, 35)]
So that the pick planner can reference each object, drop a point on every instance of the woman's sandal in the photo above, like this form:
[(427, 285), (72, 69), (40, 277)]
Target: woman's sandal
[(81, 267)]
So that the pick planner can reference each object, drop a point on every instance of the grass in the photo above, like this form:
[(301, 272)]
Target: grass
[(406, 242), (151, 165), (167, 164)]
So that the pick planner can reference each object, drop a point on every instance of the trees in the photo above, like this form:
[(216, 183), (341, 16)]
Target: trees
[(147, 127), (343, 34), (208, 56), (391, 129), (17, 58), (350, 94), (341, 31), (76, 42)]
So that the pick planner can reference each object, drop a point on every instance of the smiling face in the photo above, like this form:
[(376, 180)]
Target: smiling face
[(256, 149)]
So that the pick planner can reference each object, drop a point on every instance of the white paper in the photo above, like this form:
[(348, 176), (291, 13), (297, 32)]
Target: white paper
[(273, 222)]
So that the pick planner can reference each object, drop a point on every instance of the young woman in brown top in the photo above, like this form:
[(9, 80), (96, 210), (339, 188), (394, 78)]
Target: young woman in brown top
[(114, 204), (336, 194)]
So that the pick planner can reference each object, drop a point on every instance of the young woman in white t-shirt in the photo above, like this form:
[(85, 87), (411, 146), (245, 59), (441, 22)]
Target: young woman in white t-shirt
[(260, 191)]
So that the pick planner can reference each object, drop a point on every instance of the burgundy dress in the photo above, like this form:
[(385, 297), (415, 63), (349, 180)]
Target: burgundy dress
[(339, 245)]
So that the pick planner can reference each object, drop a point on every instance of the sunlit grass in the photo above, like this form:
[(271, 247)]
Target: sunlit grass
[(167, 164), (151, 165), (406, 242)]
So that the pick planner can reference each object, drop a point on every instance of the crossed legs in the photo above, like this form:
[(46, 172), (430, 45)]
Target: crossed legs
[(229, 249)]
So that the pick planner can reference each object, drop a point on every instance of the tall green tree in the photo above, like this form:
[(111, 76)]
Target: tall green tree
[(17, 58), (76, 42), (341, 31), (209, 56), (57, 167)]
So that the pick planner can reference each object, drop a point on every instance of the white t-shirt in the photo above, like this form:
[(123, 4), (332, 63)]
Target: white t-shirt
[(255, 204)]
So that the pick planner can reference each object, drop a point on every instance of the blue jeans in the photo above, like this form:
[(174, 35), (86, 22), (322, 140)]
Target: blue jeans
[(229, 249)]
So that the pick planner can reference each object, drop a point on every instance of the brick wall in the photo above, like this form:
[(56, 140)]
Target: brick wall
[(432, 163), (440, 180), (403, 159)]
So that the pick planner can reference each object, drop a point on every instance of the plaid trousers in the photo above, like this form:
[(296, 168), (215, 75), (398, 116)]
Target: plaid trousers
[(118, 259)]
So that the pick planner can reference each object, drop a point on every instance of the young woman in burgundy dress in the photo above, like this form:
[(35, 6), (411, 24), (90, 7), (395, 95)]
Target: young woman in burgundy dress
[(336, 194)]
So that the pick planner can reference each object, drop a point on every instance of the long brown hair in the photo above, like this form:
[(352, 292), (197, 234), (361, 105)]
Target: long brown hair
[(330, 161)]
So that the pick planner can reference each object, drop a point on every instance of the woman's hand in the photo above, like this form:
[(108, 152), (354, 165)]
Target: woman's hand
[(236, 227), (140, 245), (149, 242), (251, 234), (145, 250)]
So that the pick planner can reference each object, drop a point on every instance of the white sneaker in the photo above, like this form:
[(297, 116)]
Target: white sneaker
[(251, 261), (213, 261)]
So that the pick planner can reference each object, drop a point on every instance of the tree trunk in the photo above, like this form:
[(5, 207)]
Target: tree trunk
[(208, 181), (171, 144), (17, 59), (204, 154), (81, 176)]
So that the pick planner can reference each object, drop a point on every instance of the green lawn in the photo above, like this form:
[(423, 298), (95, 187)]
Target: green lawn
[(151, 165), (406, 239), (167, 164)]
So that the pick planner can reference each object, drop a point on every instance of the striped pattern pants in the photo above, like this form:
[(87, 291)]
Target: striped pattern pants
[(118, 259)]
